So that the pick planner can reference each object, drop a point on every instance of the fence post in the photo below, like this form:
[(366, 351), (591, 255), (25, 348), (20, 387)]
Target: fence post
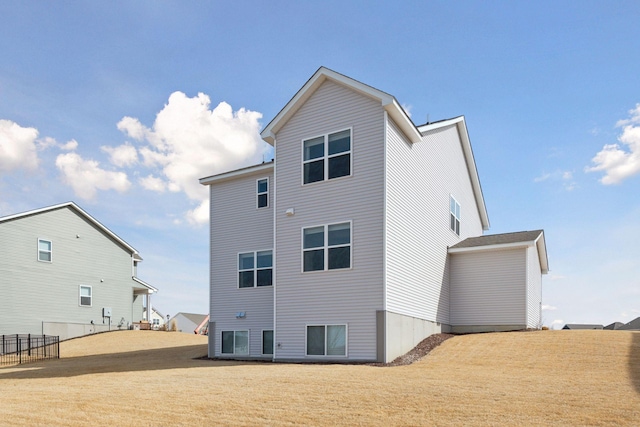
[(19, 349)]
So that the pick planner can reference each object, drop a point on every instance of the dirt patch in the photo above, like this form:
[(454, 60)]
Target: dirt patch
[(418, 352)]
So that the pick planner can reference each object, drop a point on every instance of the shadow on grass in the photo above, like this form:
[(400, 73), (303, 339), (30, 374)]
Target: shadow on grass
[(182, 357), (634, 361)]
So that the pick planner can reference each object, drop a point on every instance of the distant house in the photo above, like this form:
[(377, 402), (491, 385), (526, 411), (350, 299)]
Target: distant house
[(634, 325), (614, 326), (157, 319), (187, 322), (64, 273), (582, 326), (363, 236)]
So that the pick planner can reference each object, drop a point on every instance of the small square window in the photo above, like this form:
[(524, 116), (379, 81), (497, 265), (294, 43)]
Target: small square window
[(255, 269), (326, 247), (326, 157), (45, 250), (85, 296)]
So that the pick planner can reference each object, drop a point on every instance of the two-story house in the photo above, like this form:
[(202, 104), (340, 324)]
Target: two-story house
[(361, 238), (64, 273)]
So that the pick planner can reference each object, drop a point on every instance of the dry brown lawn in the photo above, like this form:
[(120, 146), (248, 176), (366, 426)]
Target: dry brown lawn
[(145, 378)]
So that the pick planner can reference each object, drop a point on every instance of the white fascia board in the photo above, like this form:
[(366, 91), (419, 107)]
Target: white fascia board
[(514, 245), (146, 285), (387, 101), (78, 209), (236, 173), (470, 159), (541, 246)]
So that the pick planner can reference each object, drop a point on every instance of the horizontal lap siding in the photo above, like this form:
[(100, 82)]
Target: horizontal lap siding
[(340, 296), (33, 292), (488, 287), (238, 226), (534, 288), (420, 178)]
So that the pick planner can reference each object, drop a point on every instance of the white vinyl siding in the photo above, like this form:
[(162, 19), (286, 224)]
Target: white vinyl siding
[(488, 287), (51, 290), (238, 227), (334, 296), (420, 179)]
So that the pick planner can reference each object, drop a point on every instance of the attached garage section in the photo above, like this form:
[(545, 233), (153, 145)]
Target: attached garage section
[(495, 282)]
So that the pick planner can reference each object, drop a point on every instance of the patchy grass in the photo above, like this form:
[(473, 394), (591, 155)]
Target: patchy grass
[(147, 378)]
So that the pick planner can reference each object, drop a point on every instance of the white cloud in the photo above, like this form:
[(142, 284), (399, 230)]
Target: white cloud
[(188, 141), (122, 155), (557, 322), (546, 307), (17, 147), (86, 176), (407, 109), (153, 183), (69, 145), (565, 177), (620, 162)]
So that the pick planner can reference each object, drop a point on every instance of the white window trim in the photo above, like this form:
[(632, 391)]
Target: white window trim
[(80, 295), (326, 156), (254, 269), (50, 252), (273, 349), (456, 217), (326, 247), (324, 356), (234, 342), (258, 193)]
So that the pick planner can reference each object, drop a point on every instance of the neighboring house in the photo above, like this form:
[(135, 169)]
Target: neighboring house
[(64, 273), (614, 326), (157, 318), (361, 238), (186, 322), (634, 325), (575, 326)]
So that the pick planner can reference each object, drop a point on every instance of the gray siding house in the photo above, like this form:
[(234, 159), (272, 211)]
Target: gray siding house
[(64, 273), (350, 245)]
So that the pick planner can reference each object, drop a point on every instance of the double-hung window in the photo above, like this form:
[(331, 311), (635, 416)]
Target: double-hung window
[(45, 250), (326, 157), (262, 193), (326, 247), (454, 215), (85, 296), (255, 269), (235, 342), (326, 340)]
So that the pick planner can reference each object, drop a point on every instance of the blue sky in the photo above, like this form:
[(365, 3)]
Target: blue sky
[(120, 106)]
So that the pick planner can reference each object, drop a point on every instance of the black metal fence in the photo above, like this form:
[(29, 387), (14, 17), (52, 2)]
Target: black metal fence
[(19, 348)]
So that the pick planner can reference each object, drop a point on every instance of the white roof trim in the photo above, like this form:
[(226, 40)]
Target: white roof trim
[(461, 124), (78, 209), (236, 173), (146, 285), (387, 101)]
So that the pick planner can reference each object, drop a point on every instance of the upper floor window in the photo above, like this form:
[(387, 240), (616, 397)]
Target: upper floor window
[(263, 193), (326, 247), (45, 250), (85, 296), (255, 269), (454, 209), (327, 157)]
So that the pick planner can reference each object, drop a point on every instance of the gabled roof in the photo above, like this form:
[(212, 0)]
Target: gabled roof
[(505, 241), (81, 212), (613, 326), (631, 326), (461, 125), (388, 102), (195, 318)]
